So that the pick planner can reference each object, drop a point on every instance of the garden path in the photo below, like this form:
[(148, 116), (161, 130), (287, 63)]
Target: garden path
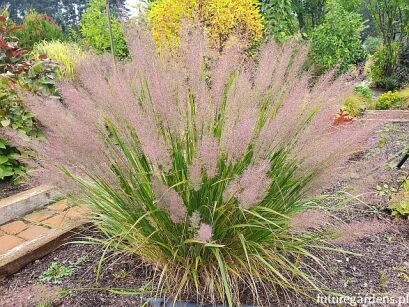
[(31, 236)]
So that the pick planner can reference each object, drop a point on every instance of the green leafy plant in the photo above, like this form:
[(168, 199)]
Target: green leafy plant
[(10, 167), (60, 270), (12, 111), (95, 32), (310, 13), (389, 100), (390, 68), (36, 28), (40, 77), (355, 105), (12, 57), (19, 71), (400, 202), (391, 18), (12, 114), (280, 21), (337, 41), (385, 190), (358, 102), (403, 273), (364, 91), (56, 272), (401, 208), (200, 179), (404, 93)]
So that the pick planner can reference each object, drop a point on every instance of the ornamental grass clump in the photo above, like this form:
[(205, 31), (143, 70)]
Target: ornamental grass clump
[(67, 54), (195, 164)]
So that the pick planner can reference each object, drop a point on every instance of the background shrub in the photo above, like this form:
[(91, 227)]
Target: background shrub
[(10, 167), (389, 100), (338, 39), (372, 44), (221, 19), (400, 203), (38, 27), (384, 65), (358, 102), (185, 173), (405, 94), (19, 72), (280, 21), (67, 54), (66, 12), (166, 17), (364, 91), (402, 66), (95, 32), (12, 111), (391, 19)]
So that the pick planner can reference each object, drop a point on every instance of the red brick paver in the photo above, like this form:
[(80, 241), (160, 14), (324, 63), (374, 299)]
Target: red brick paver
[(59, 206), (41, 226), (7, 242), (57, 221), (38, 216), (34, 235), (33, 232), (14, 228), (77, 213)]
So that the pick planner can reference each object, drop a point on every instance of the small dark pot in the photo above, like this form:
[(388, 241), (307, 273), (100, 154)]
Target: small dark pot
[(160, 302)]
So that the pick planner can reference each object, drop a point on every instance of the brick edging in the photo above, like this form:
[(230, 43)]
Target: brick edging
[(16, 259)]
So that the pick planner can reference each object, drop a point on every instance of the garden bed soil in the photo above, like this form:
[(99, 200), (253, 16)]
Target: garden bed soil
[(8, 189), (379, 265)]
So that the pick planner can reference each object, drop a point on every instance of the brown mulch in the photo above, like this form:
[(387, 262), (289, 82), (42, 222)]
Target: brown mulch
[(8, 189), (81, 288)]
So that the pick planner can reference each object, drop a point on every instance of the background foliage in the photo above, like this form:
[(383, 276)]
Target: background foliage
[(67, 13), (221, 19), (309, 13), (65, 53), (384, 66), (95, 32), (36, 28), (338, 39), (279, 19), (19, 70), (392, 22)]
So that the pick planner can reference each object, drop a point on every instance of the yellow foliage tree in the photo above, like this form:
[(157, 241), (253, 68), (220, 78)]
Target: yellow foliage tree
[(220, 18)]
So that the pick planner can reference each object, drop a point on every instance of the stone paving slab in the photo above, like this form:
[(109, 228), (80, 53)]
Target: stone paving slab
[(14, 228), (36, 234)]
